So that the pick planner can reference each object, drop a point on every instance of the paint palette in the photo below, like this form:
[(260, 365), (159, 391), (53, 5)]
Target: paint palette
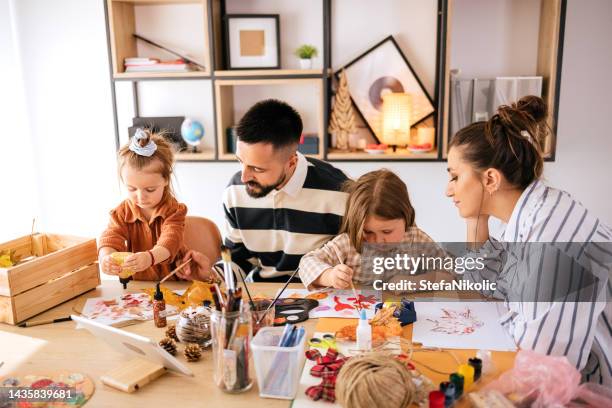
[(292, 310), (72, 389)]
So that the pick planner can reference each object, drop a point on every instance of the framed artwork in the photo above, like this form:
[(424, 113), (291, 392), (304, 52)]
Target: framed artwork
[(383, 69), (252, 41)]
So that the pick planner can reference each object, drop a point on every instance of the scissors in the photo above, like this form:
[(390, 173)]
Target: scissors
[(328, 341)]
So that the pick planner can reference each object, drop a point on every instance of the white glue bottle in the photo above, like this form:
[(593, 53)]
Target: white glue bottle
[(364, 333)]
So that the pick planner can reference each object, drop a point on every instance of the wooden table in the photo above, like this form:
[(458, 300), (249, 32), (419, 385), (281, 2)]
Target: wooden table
[(52, 347)]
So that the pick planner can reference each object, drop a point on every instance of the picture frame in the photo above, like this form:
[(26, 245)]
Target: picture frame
[(252, 41), (384, 68)]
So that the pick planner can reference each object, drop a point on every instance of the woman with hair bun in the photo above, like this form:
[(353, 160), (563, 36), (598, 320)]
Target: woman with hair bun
[(495, 169)]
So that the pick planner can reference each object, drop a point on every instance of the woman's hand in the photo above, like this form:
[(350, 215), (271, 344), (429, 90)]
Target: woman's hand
[(339, 277), (138, 261), (108, 265), (200, 267)]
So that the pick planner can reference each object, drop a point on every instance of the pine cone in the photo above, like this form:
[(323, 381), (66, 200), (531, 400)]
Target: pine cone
[(169, 345), (193, 352), (171, 333)]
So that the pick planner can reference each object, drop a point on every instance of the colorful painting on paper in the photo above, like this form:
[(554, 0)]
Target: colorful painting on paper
[(338, 303), (459, 322), (471, 325), (127, 307)]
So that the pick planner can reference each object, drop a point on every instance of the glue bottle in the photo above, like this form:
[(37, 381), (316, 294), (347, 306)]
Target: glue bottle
[(159, 308), (364, 332), (126, 274)]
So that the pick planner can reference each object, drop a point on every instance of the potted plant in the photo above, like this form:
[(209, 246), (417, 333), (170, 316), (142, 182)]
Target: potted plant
[(305, 53)]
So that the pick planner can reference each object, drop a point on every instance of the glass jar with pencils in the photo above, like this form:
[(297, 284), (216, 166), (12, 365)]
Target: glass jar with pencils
[(231, 339)]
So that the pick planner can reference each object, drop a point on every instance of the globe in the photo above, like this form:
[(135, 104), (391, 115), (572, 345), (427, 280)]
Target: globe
[(192, 132)]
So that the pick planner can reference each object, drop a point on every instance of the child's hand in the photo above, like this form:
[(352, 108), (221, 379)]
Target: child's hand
[(138, 261), (109, 266), (339, 277), (198, 269)]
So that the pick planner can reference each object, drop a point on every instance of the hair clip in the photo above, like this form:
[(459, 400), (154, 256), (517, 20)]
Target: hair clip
[(148, 150), (527, 136)]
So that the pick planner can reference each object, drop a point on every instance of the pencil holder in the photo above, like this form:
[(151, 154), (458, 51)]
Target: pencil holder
[(278, 369), (231, 336)]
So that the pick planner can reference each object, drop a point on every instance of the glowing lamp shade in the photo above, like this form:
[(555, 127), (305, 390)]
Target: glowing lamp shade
[(396, 119)]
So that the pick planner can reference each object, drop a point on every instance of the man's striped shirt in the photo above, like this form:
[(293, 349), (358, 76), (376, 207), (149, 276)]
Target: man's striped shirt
[(274, 231)]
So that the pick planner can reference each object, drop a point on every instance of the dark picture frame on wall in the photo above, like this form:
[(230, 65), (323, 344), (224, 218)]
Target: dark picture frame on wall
[(252, 41), (384, 68)]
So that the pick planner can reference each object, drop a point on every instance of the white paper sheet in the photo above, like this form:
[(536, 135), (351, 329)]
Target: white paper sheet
[(461, 325), (121, 309)]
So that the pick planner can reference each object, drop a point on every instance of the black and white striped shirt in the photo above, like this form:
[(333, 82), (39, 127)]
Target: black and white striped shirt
[(577, 329), (274, 231)]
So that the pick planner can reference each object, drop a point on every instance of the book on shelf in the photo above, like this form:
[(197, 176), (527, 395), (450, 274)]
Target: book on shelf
[(135, 61), (178, 65)]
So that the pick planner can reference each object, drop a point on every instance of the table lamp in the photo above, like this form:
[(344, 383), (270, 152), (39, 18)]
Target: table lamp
[(396, 119)]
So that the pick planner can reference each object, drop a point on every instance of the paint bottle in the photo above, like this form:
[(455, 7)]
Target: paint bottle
[(159, 308), (436, 399), (126, 274), (457, 379), (477, 364), (467, 371), (448, 389), (364, 332)]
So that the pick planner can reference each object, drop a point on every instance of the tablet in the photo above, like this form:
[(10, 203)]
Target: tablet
[(132, 344)]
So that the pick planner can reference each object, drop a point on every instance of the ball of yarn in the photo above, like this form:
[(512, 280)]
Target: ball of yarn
[(374, 380)]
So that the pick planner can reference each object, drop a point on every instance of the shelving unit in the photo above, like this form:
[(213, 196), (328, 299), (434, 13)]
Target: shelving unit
[(225, 106), (549, 59), (127, 17)]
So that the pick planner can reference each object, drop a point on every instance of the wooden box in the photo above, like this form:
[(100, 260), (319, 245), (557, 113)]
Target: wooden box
[(63, 267)]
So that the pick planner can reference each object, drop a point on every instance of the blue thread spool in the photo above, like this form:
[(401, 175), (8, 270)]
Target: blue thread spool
[(448, 388), (477, 364), (457, 379)]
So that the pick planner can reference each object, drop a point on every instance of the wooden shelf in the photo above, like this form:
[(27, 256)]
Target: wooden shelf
[(550, 35), (206, 154), (400, 154), (276, 73), (122, 17), (161, 75), (227, 156), (224, 106)]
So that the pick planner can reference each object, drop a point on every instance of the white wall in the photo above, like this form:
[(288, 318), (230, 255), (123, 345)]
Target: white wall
[(19, 201), (76, 159), (504, 33), (62, 45)]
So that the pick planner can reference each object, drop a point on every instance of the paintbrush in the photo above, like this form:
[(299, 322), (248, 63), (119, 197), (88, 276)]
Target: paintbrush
[(277, 296), (39, 322), (178, 268), (226, 256), (352, 286), (246, 288)]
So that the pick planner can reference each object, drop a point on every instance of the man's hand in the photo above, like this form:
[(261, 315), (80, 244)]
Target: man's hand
[(200, 267)]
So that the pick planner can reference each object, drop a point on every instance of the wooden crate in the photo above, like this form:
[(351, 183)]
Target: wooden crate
[(64, 267)]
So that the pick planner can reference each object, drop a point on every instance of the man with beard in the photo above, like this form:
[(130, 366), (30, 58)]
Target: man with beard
[(282, 204)]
